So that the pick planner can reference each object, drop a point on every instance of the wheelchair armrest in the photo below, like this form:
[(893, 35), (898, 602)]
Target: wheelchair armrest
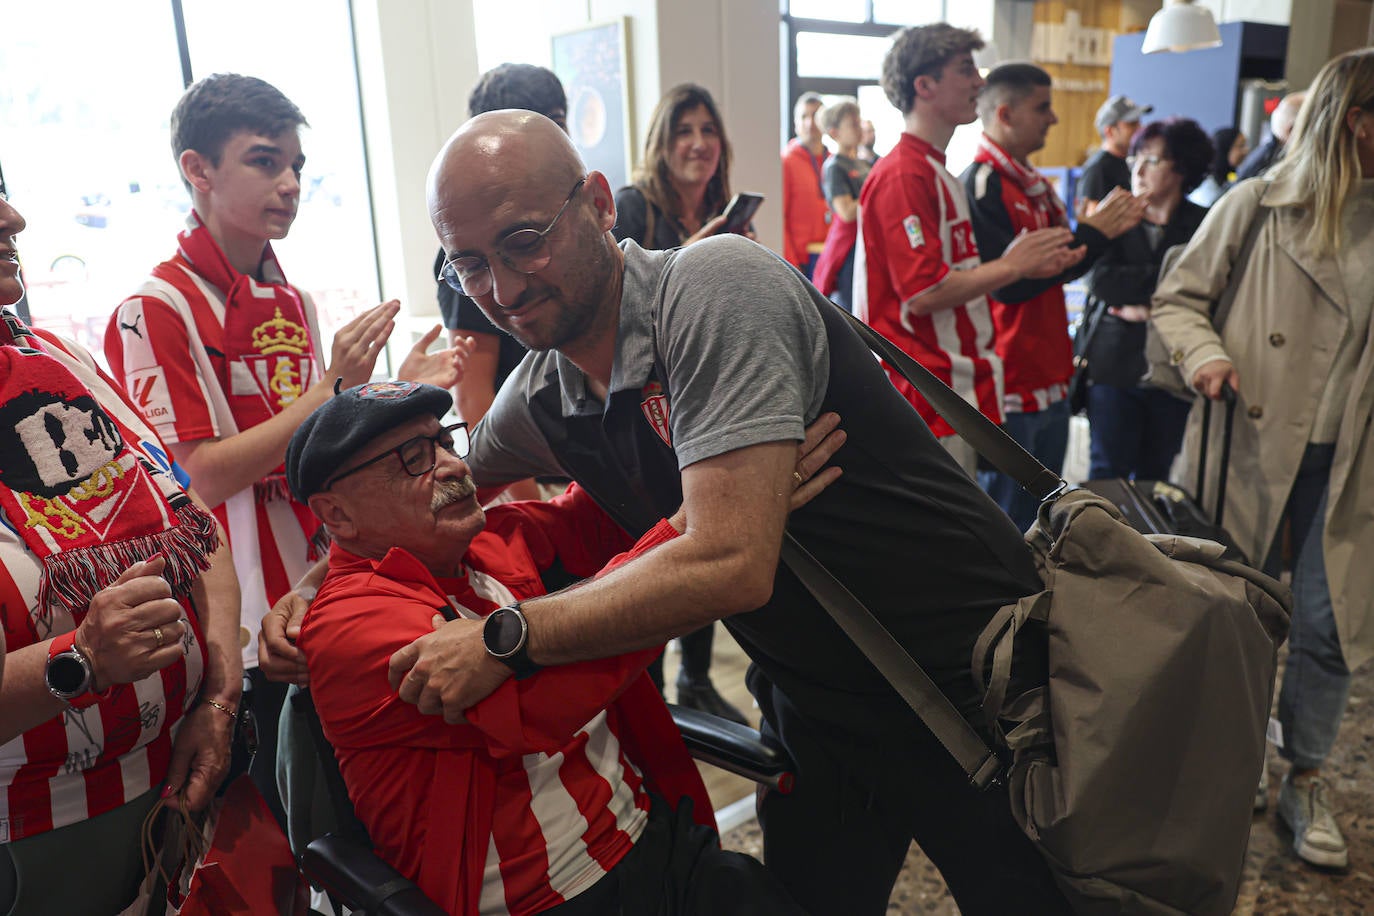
[(736, 748), (352, 873)]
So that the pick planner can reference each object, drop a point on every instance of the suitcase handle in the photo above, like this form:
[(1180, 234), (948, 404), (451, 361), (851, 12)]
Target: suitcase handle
[(1228, 394)]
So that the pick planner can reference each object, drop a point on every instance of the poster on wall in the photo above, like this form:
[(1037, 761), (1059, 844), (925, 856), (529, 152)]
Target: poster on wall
[(594, 64)]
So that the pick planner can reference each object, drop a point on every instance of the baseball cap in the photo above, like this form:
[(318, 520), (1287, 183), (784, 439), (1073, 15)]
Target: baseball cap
[(1119, 108), (349, 420)]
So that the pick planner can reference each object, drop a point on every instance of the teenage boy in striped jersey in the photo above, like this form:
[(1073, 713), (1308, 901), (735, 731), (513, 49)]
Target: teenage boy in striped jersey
[(222, 354)]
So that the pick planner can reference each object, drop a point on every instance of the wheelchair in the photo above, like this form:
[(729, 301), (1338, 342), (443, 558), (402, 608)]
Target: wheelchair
[(336, 856)]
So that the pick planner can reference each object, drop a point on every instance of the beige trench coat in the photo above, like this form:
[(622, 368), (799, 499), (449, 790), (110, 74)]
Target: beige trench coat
[(1287, 320)]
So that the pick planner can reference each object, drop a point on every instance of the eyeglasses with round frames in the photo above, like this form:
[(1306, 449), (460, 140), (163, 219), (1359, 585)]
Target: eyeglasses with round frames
[(525, 251), (418, 455)]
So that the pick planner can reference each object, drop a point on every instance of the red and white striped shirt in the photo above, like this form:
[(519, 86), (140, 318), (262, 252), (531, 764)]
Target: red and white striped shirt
[(539, 792), (914, 228), (85, 762), (165, 344)]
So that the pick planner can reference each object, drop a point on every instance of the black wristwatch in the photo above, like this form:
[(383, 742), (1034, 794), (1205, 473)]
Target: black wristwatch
[(68, 675), (506, 636)]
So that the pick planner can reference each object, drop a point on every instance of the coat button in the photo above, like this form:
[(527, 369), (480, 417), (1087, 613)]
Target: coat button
[(1255, 412), (1276, 340), (1176, 356)]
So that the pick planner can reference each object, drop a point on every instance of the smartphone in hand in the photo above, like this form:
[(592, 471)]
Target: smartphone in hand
[(740, 212)]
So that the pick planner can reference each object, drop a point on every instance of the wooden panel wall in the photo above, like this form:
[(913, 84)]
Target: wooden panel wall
[(1074, 138)]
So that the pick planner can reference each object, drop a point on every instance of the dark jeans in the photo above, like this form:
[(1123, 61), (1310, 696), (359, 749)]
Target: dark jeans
[(1133, 432), (696, 657), (1045, 435), (677, 868), (838, 841), (265, 700), (843, 296)]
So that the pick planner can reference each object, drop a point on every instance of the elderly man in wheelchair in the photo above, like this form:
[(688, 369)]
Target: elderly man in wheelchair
[(569, 790)]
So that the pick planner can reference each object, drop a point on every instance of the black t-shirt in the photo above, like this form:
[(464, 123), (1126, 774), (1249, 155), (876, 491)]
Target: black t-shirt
[(1103, 172), (460, 313), (633, 213), (842, 176)]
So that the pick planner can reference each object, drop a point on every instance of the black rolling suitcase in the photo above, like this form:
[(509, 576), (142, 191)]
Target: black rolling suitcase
[(1159, 507)]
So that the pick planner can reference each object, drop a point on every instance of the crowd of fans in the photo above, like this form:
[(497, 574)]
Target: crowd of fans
[(230, 512)]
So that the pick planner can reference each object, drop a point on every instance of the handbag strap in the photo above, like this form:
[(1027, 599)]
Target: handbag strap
[(891, 659), (987, 438), (1092, 318), (1228, 295)]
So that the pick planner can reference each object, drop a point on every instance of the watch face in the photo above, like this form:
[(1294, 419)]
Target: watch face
[(504, 632), (66, 675)]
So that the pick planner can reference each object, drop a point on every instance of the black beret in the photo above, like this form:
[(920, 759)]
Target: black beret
[(348, 421)]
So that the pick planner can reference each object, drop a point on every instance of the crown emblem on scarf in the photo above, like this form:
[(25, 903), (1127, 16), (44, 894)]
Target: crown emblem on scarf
[(278, 335)]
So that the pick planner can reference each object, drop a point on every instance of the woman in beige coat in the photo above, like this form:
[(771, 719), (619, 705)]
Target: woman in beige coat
[(1296, 348)]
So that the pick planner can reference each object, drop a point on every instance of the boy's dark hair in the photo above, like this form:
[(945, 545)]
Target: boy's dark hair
[(922, 51), (519, 86), (1009, 84), (1186, 145), (221, 105)]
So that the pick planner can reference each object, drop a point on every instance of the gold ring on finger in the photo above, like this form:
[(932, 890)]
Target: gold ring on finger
[(157, 634), (796, 475)]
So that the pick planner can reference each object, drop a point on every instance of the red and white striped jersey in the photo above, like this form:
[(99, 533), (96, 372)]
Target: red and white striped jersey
[(165, 345), (914, 228), (536, 792), (84, 762)]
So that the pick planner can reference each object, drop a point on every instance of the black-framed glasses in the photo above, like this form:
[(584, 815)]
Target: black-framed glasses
[(1133, 161), (419, 455), (524, 251)]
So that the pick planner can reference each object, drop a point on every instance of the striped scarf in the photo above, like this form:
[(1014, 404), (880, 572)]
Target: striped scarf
[(87, 495)]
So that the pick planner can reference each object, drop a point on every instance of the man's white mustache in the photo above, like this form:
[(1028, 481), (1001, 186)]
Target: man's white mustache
[(451, 491)]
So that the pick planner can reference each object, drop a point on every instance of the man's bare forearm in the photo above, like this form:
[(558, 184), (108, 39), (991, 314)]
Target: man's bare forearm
[(723, 564)]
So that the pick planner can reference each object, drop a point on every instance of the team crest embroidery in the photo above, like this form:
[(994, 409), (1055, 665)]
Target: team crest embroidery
[(655, 407), (914, 236), (282, 367)]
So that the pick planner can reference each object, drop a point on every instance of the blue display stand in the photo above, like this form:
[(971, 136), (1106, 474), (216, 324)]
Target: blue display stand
[(1202, 85)]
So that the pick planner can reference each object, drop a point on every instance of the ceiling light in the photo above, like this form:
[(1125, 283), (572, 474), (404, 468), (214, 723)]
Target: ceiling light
[(1181, 25)]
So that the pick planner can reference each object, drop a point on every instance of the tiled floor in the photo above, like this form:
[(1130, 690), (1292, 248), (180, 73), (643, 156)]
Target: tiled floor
[(1275, 883)]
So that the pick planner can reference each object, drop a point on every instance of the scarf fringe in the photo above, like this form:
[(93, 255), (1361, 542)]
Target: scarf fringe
[(320, 542), (72, 578), (271, 488)]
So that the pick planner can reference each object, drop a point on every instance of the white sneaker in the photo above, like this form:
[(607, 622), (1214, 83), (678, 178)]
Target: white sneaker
[(1316, 838), (1262, 790)]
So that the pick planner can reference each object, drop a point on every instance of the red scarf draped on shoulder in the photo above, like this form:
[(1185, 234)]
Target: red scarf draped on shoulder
[(1048, 208), (85, 492)]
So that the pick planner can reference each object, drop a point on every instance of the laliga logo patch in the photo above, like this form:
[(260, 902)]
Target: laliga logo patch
[(655, 407), (914, 236)]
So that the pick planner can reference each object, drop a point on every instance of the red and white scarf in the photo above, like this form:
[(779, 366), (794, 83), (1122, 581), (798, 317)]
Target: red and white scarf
[(265, 330), (87, 494), (266, 335), (1039, 193)]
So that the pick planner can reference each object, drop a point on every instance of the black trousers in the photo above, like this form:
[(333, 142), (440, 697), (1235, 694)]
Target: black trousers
[(839, 840), (677, 868), (696, 656)]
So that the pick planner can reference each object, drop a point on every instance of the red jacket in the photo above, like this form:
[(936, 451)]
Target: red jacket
[(426, 790), (804, 210)]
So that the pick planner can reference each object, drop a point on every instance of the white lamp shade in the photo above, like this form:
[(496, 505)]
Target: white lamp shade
[(1181, 26)]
